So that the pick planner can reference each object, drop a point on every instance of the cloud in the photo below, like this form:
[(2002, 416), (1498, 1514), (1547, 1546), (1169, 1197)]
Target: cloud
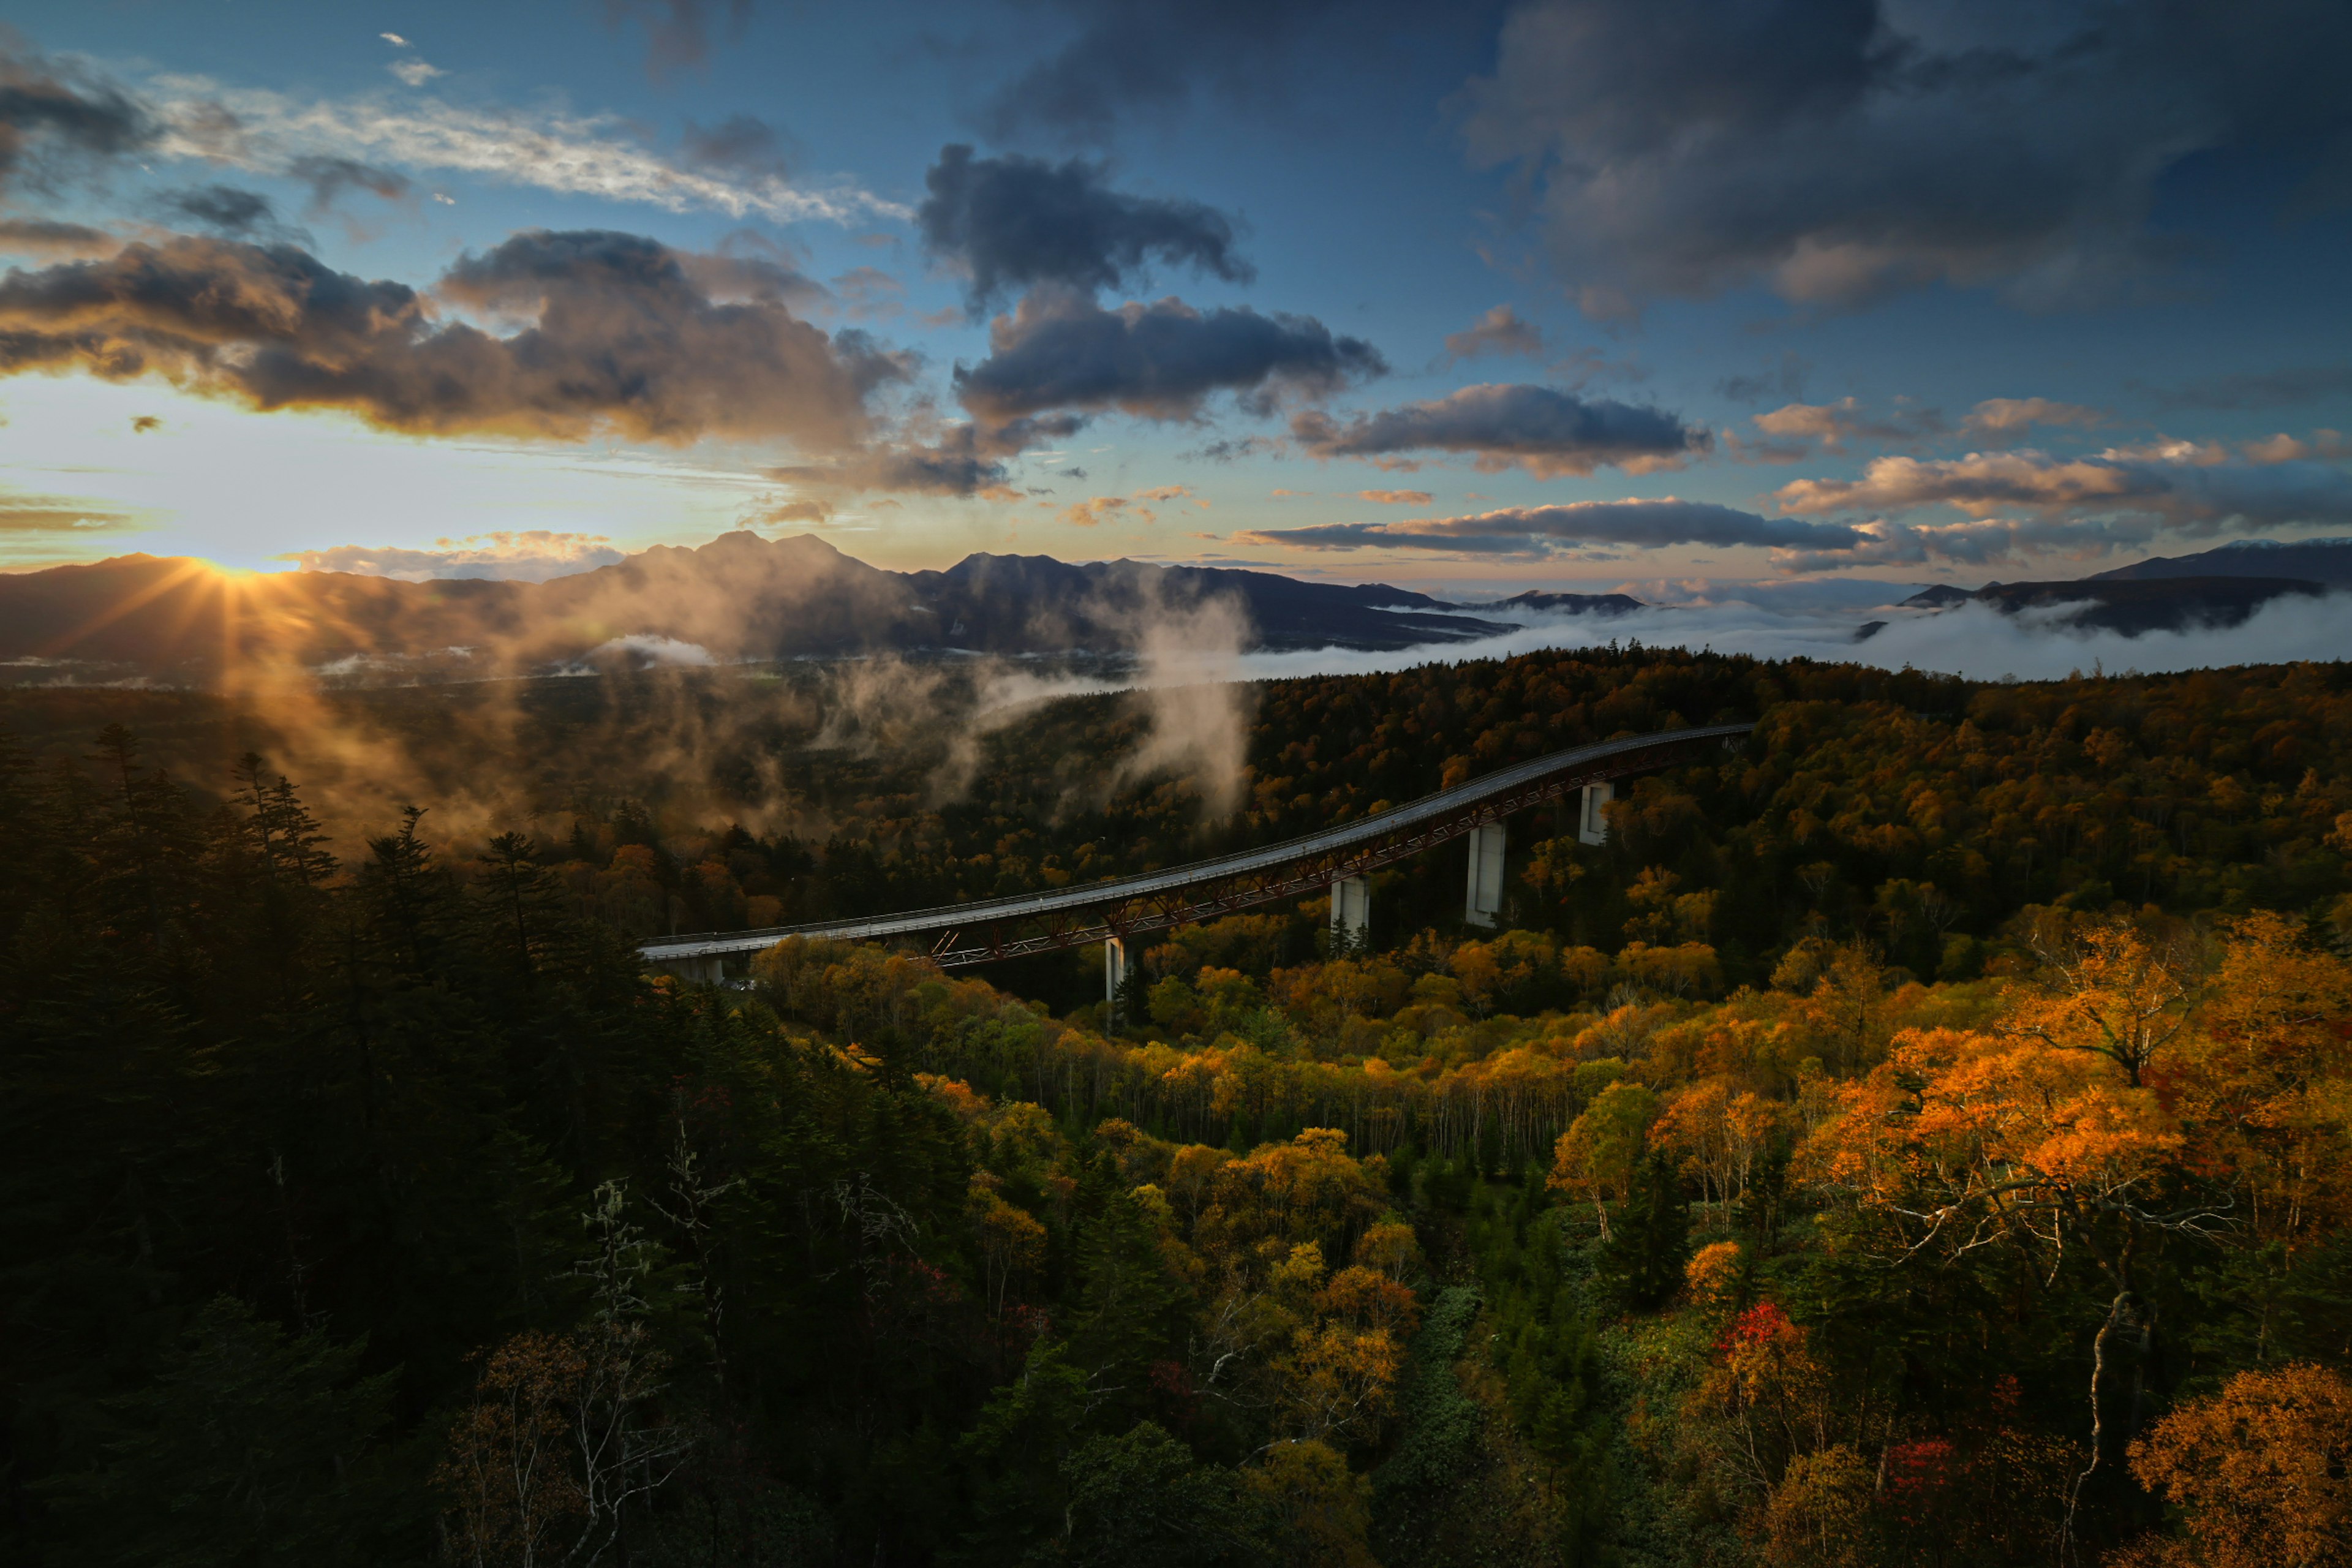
[(23, 511), (594, 155), (1835, 424), (794, 511), (1138, 56), (1389, 498), (1789, 430), (2263, 389), (1545, 432), (1545, 531), (1101, 509), (872, 293), (1836, 150), (1785, 376), (1229, 448), (1105, 509), (531, 555), (44, 236), (2282, 447), (1014, 222), (2198, 489), (225, 209), (1160, 361), (328, 178), (1988, 543), (649, 648), (1500, 332), (414, 73), (2003, 420), (741, 142), (54, 117), (677, 32), (622, 335), (1974, 640), (967, 459)]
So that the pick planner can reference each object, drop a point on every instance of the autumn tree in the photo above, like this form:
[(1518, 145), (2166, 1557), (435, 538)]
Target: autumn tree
[(1597, 1156), (2260, 1472), (1963, 1141)]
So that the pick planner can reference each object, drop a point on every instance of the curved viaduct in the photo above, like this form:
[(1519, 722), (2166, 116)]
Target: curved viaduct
[(1336, 858)]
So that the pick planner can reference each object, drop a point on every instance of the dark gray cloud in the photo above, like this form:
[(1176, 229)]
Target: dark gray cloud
[(968, 458), (1547, 432), (1160, 361), (1839, 148), (1016, 223), (742, 143), (225, 209), (328, 178), (47, 236), (1129, 59), (2285, 388), (1229, 448), (1555, 530), (625, 335), (677, 32), (1784, 376), (53, 116)]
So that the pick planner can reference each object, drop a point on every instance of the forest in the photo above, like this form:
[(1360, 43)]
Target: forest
[(1923, 1135)]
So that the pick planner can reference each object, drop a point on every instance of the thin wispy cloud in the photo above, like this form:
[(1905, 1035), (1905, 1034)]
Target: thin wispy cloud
[(550, 149)]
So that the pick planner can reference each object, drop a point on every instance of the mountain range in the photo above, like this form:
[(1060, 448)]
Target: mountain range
[(2219, 588), (740, 598), (746, 598), (2309, 560)]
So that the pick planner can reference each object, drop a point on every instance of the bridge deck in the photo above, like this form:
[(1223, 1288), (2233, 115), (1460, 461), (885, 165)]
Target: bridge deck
[(1204, 890)]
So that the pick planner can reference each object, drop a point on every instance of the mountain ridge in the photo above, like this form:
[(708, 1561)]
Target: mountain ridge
[(740, 598)]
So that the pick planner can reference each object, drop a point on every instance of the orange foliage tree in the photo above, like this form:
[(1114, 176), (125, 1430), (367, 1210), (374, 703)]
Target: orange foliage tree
[(1963, 1140), (2260, 1472)]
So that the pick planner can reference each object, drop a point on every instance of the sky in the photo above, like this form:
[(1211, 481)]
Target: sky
[(1590, 293)]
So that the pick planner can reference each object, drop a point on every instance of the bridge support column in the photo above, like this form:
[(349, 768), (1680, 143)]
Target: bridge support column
[(1351, 913), (1485, 899), (1591, 827), (707, 970), (1114, 972)]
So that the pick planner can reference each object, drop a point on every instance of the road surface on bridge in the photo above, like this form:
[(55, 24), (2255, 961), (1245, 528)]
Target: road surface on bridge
[(986, 930)]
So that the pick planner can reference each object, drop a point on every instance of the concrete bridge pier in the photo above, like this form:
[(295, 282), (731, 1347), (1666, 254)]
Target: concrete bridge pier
[(1351, 912), (706, 969), (1591, 825), (1114, 972), (1485, 899)]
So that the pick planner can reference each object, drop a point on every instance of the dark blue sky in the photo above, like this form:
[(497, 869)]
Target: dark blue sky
[(1597, 292)]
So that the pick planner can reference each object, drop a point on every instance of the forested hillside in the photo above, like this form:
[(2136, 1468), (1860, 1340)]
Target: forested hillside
[(1923, 1135)]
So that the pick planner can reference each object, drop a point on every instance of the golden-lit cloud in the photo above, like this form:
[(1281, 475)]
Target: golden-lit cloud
[(621, 334), (526, 555), (2183, 484)]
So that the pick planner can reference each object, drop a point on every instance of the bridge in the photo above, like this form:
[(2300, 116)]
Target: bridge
[(986, 930)]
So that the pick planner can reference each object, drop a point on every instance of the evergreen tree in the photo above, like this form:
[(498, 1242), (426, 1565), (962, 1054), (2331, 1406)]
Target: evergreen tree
[(1644, 1258)]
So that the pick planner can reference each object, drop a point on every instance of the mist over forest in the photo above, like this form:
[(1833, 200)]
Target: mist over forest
[(1924, 1124)]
